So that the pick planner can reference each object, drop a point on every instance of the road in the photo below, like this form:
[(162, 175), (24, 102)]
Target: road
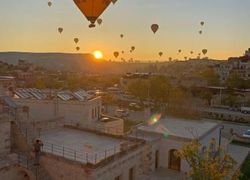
[(237, 127)]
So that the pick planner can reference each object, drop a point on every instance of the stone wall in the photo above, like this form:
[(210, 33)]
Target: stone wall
[(62, 169), (4, 136), (18, 141), (72, 111)]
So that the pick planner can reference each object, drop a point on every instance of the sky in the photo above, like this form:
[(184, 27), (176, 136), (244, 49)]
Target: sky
[(31, 26)]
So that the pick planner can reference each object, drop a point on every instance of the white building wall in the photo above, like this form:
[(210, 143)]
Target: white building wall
[(213, 134), (166, 145)]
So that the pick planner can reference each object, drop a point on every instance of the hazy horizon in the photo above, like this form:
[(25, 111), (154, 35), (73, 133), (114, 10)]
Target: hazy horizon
[(31, 26)]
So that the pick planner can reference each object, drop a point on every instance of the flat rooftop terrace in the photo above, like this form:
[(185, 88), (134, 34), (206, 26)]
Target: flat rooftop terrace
[(81, 146), (180, 128)]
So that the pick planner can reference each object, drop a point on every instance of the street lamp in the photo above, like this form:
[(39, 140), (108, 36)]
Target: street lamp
[(221, 128)]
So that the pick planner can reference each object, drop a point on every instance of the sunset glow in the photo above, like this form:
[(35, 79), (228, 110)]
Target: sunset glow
[(98, 54)]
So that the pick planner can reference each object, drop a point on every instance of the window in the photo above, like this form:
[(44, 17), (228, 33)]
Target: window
[(131, 174)]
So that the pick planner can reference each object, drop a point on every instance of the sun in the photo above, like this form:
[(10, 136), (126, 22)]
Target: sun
[(98, 54)]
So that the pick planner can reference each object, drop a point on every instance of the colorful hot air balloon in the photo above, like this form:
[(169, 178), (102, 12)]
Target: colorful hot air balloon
[(154, 27), (49, 3), (76, 40), (116, 54), (99, 21), (160, 54), (77, 48), (204, 51), (92, 9), (60, 30)]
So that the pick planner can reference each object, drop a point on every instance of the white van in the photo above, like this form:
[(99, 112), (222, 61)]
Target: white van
[(245, 110)]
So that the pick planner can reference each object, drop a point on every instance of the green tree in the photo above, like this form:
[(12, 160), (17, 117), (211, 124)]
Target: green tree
[(139, 88), (207, 163), (39, 84), (159, 89), (235, 81), (211, 76)]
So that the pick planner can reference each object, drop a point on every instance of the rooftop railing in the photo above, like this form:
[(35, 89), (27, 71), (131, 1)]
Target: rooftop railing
[(86, 156)]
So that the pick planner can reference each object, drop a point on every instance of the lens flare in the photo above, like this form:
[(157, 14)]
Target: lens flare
[(163, 130), (154, 119)]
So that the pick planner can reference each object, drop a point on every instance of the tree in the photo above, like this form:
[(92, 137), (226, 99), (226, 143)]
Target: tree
[(39, 84), (207, 95), (211, 163), (231, 100), (139, 89), (159, 89), (209, 74), (235, 81)]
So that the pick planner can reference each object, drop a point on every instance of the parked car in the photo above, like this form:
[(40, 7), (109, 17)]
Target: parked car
[(135, 107), (121, 113), (247, 134), (245, 110)]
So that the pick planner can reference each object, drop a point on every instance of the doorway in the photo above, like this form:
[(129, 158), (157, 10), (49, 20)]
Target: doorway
[(174, 162)]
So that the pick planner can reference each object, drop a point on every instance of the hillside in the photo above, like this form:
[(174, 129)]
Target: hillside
[(86, 63)]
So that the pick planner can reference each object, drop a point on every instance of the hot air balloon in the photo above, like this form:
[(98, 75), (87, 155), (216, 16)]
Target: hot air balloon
[(132, 48), (60, 30), (76, 40), (200, 32), (202, 23), (49, 3), (77, 48), (154, 27), (92, 9), (121, 35), (99, 21), (113, 1), (116, 54), (191, 52), (122, 52), (204, 51), (160, 54), (179, 51)]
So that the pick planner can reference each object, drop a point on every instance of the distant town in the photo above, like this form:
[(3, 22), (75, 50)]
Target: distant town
[(62, 124)]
